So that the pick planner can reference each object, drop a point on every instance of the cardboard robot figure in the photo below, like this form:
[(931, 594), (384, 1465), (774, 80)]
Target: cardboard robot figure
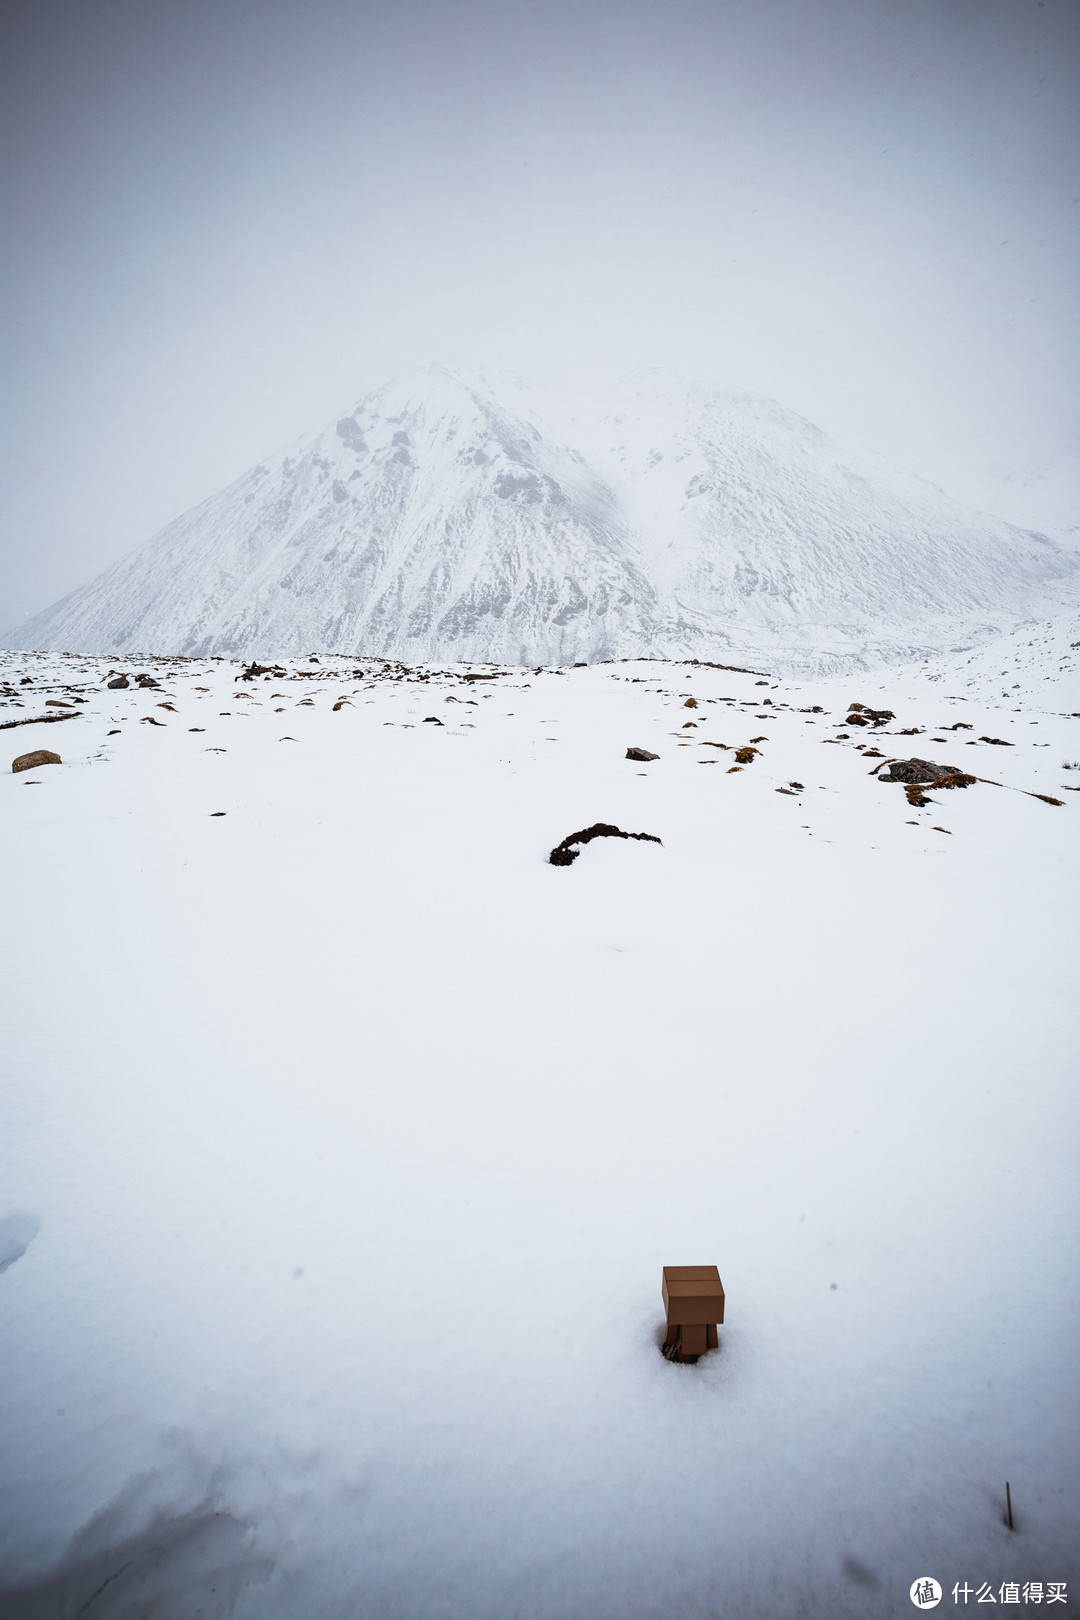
[(694, 1303)]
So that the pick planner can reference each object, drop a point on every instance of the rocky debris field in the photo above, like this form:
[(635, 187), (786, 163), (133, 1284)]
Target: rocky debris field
[(598, 714)]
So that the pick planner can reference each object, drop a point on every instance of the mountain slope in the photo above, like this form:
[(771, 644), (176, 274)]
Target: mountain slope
[(467, 515)]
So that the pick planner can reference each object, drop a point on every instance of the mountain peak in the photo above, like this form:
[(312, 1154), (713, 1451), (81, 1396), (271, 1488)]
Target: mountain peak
[(460, 512)]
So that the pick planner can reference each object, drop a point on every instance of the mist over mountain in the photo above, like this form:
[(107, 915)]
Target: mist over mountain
[(467, 514)]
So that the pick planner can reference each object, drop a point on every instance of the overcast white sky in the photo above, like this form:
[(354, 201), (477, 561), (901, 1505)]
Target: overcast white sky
[(227, 219)]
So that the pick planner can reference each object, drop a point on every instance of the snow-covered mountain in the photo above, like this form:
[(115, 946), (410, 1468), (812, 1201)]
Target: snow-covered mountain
[(459, 514)]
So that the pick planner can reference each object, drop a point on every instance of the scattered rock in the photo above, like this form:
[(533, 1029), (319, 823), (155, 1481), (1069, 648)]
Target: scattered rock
[(860, 715), (254, 670), (565, 854), (120, 684), (148, 720), (922, 770), (998, 742), (641, 754), (432, 720), (57, 703), (30, 762), (691, 703)]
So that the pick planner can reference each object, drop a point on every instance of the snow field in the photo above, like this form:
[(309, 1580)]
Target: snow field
[(359, 1135)]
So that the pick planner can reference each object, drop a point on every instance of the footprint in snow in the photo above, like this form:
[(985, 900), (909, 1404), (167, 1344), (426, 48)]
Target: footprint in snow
[(17, 1232)]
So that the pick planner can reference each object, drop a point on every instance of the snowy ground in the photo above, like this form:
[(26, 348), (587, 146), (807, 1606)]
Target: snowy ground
[(346, 1139)]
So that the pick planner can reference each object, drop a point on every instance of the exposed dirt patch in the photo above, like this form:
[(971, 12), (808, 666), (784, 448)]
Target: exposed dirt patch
[(39, 720)]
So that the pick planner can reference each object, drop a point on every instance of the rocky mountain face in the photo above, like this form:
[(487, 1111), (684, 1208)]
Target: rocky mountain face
[(468, 515)]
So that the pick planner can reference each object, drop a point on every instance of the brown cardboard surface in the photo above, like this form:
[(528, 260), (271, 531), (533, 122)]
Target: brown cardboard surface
[(693, 1295), (693, 1341)]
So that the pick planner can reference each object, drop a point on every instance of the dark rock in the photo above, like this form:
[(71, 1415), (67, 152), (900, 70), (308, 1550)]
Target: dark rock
[(30, 762), (254, 670), (641, 754), (120, 684), (432, 720), (919, 770), (999, 742), (565, 854)]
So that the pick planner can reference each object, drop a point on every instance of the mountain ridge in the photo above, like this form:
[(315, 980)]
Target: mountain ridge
[(459, 513)]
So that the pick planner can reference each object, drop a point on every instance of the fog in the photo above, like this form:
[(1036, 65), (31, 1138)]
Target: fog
[(226, 221)]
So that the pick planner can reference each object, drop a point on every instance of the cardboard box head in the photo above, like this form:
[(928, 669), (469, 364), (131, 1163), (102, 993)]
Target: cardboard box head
[(693, 1295)]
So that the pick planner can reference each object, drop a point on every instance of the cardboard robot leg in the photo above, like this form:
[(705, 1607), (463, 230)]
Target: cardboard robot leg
[(685, 1341)]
